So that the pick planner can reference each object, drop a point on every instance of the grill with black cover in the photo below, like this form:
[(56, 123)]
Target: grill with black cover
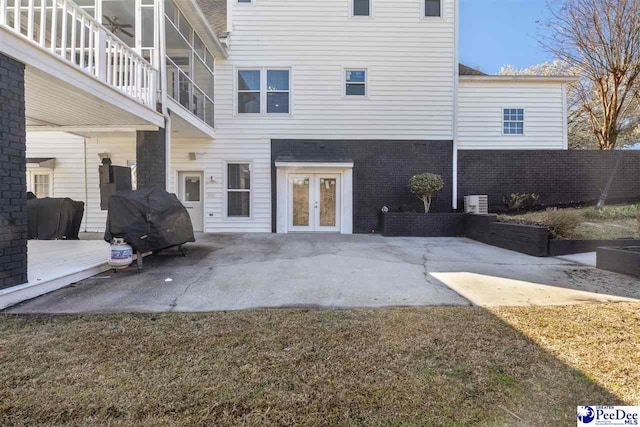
[(149, 220)]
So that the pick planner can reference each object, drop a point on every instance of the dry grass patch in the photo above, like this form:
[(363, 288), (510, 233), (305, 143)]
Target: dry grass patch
[(433, 366), (612, 222)]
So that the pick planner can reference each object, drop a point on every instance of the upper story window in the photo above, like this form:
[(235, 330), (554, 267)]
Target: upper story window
[(432, 8), (513, 121), (278, 91), (356, 82), (249, 92), (261, 90), (190, 65), (361, 8)]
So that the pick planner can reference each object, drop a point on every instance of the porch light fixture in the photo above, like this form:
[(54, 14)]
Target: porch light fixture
[(103, 156)]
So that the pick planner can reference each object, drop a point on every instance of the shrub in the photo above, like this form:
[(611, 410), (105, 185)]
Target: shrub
[(517, 201), (561, 223), (425, 186), (613, 212)]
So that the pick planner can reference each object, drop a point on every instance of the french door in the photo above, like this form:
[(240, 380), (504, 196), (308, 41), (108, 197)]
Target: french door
[(314, 202)]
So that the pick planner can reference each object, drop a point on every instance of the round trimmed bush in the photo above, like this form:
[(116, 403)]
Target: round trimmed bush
[(425, 186)]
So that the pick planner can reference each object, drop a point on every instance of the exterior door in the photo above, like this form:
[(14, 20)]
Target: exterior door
[(191, 194), (314, 202)]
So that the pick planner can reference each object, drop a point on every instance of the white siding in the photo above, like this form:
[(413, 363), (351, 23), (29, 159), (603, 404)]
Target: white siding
[(71, 167), (480, 113), (410, 63), (211, 159), (68, 175), (121, 150)]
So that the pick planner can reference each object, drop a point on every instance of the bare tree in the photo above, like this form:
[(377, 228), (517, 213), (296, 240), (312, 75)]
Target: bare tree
[(601, 39)]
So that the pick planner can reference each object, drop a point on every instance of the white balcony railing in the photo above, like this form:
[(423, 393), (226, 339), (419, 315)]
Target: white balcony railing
[(67, 31)]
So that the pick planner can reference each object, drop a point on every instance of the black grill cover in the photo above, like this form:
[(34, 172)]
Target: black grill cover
[(149, 220), (54, 219)]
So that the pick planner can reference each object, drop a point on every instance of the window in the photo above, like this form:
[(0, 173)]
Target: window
[(39, 183), (432, 8), (271, 85), (245, 1), (356, 82), (513, 121), (361, 7), (249, 91), (278, 91), (190, 78), (238, 190)]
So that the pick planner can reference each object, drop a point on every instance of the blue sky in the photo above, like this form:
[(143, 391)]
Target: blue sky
[(494, 33)]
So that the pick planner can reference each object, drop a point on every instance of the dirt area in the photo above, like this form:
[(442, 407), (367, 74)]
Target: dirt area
[(414, 366), (612, 222)]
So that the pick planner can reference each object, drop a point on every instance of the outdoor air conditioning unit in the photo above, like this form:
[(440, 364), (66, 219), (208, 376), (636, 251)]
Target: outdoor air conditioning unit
[(478, 205)]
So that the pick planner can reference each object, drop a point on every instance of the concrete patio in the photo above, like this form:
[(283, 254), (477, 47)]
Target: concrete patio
[(54, 264), (233, 272)]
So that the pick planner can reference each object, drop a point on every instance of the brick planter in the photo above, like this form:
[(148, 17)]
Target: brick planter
[(625, 260), (526, 239), (559, 247), (403, 224)]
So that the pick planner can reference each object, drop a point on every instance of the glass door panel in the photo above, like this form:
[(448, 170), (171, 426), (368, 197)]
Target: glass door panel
[(328, 202), (301, 202)]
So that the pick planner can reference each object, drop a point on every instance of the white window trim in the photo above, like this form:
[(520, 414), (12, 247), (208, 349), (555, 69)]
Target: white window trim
[(263, 91), (524, 121), (366, 83), (225, 202), (354, 16), (431, 18), (31, 173)]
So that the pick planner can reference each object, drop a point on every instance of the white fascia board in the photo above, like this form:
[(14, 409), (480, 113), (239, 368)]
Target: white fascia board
[(520, 79), (189, 117), (343, 165)]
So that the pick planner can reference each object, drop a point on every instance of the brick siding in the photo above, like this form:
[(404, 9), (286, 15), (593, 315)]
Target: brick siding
[(381, 173), (151, 152), (13, 180), (558, 176), (423, 225)]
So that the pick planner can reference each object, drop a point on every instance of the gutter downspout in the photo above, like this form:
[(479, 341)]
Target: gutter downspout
[(86, 185), (456, 77), (162, 69)]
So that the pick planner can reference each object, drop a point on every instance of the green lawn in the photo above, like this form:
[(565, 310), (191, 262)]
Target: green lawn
[(431, 366), (613, 222)]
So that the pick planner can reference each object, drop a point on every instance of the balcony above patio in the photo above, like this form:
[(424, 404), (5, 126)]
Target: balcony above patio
[(79, 76)]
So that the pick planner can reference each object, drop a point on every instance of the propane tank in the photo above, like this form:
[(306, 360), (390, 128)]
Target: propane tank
[(121, 254)]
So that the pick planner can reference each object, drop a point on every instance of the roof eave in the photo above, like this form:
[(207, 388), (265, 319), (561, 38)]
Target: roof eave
[(521, 79), (195, 8)]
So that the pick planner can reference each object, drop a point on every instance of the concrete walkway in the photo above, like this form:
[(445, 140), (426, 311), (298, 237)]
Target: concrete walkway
[(231, 272)]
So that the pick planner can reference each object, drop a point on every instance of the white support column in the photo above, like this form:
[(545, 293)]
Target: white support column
[(3, 12)]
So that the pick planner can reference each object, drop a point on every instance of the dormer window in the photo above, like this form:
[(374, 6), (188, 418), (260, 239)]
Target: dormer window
[(361, 7), (432, 8)]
